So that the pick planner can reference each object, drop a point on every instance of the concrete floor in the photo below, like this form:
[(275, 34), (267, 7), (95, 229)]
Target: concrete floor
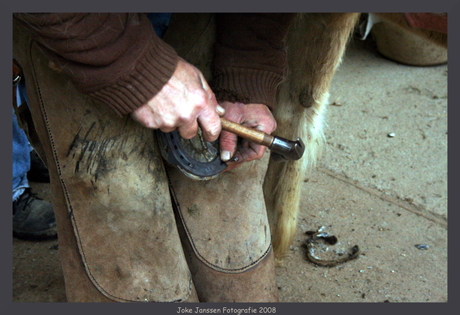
[(385, 194)]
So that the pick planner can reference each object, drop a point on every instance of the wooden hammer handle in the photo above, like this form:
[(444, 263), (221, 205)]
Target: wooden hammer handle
[(250, 134)]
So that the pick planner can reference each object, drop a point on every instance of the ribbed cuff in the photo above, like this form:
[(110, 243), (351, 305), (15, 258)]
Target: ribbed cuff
[(248, 86), (148, 77)]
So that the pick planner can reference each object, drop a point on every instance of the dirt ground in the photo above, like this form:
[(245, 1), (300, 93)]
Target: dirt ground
[(386, 194)]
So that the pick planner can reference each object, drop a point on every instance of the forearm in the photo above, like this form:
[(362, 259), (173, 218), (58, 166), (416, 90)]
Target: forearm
[(115, 58), (250, 59)]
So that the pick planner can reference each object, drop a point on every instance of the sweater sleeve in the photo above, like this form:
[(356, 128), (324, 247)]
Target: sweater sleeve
[(250, 59), (114, 58)]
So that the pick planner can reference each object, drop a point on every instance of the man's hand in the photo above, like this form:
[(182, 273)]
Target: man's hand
[(185, 101), (256, 116)]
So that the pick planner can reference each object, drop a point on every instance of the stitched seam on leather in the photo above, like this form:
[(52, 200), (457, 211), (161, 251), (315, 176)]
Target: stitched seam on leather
[(67, 197), (197, 253)]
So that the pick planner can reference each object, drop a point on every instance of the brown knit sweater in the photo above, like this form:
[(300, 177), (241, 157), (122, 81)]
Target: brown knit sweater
[(118, 59)]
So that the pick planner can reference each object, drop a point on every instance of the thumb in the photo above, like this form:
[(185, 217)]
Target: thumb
[(228, 143)]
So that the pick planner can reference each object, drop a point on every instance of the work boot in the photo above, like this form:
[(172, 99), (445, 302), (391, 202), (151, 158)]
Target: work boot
[(38, 172), (33, 217)]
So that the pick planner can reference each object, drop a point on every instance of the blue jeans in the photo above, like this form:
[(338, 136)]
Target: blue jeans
[(21, 153), (160, 22)]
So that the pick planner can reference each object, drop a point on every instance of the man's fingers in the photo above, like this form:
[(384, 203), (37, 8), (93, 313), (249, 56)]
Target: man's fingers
[(145, 117), (210, 124), (251, 151), (220, 110), (183, 103), (227, 145), (188, 131), (245, 153)]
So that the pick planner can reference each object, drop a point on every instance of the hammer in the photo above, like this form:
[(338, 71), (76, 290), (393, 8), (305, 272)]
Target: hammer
[(282, 149)]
